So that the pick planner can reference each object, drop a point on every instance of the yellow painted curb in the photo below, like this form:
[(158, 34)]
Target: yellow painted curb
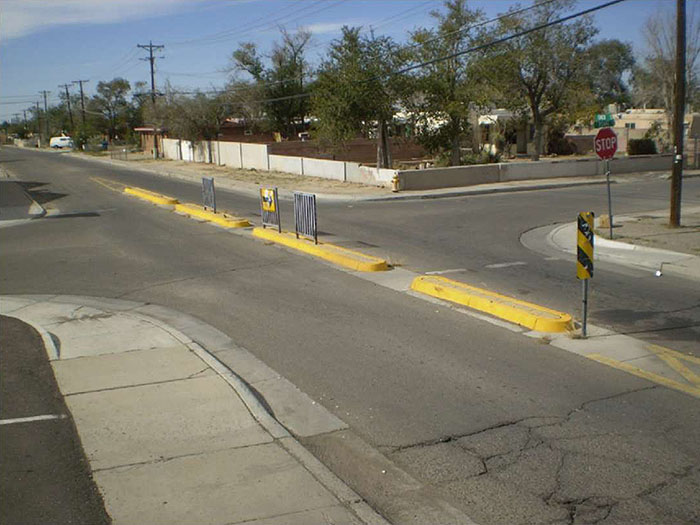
[(151, 196), (330, 252), (519, 312), (222, 219)]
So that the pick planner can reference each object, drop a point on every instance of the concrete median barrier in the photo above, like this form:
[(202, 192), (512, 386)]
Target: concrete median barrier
[(330, 252), (516, 311)]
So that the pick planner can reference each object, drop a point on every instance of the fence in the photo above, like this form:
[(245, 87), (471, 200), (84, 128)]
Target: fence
[(119, 154), (305, 215)]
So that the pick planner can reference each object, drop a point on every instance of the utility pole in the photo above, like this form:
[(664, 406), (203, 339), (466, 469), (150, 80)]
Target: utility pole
[(70, 113), (678, 117), (82, 96), (46, 112), (38, 123), (152, 59)]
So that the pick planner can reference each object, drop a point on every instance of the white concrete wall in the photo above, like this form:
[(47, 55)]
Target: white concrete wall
[(451, 177), (201, 152), (328, 169), (642, 163), (187, 151), (549, 169), (230, 154), (353, 173), (254, 156), (435, 178), (170, 149), (287, 164)]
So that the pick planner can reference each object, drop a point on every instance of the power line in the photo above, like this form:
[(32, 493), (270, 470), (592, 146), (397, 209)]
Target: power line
[(230, 34), (509, 37), (459, 53), (481, 24)]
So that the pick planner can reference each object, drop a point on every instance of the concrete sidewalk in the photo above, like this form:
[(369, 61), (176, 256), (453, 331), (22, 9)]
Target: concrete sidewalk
[(171, 434), (642, 241)]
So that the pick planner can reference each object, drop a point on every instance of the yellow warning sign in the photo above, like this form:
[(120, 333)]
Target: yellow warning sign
[(268, 200), (584, 250)]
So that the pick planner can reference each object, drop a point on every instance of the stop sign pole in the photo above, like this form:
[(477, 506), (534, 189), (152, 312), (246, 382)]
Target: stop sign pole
[(605, 145)]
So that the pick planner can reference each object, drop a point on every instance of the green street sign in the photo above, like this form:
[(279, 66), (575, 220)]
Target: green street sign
[(603, 121)]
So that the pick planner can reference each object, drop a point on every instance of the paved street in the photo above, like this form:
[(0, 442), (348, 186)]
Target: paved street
[(465, 413), (45, 477)]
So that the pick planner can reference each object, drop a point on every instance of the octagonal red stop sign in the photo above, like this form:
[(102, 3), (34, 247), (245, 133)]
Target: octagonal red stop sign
[(605, 143)]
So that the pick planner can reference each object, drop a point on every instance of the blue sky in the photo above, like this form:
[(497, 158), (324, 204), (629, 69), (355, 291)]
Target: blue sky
[(44, 43)]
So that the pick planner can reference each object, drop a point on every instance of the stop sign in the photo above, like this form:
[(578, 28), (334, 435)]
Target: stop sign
[(605, 143)]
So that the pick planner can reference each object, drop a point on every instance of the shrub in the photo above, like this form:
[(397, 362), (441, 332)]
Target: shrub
[(641, 147)]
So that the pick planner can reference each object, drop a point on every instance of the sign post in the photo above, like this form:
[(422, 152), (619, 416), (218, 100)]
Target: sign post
[(605, 145), (270, 208), (584, 259)]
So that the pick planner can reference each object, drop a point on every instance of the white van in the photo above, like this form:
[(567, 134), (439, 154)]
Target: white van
[(61, 142)]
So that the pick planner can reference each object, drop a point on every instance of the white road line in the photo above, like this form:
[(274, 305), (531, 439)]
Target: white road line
[(440, 272), (31, 419), (506, 265)]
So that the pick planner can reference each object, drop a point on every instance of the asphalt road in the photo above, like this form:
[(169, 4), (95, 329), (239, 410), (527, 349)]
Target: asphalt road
[(506, 428), (45, 477)]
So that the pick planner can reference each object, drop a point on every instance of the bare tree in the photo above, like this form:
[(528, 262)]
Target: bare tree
[(654, 80)]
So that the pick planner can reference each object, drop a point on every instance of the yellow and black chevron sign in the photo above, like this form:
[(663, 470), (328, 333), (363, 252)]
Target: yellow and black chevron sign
[(584, 251)]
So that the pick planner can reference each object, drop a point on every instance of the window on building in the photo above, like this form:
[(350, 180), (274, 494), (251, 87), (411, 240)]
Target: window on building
[(630, 125)]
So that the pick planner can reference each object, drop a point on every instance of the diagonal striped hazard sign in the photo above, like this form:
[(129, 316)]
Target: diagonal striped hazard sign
[(584, 250)]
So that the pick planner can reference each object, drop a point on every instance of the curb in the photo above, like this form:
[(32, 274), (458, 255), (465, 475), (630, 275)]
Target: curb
[(335, 485), (522, 313), (222, 219), (155, 198), (336, 254)]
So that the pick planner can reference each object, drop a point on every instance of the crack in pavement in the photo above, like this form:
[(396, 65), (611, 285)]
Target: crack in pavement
[(500, 453)]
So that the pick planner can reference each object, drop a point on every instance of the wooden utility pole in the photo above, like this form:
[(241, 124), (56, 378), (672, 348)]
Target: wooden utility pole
[(46, 112), (38, 123), (82, 96), (70, 113), (152, 59), (678, 117)]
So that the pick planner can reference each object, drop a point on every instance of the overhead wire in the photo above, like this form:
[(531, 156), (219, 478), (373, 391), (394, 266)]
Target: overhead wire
[(463, 52)]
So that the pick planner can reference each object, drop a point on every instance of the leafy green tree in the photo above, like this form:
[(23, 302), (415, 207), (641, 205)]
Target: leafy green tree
[(198, 117), (353, 96), (543, 70), (111, 101), (283, 82), (447, 90), (609, 63)]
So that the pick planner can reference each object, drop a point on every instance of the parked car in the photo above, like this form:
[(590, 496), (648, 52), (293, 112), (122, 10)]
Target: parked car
[(61, 142)]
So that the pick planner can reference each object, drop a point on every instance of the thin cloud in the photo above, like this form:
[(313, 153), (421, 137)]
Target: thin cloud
[(325, 28), (20, 18)]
